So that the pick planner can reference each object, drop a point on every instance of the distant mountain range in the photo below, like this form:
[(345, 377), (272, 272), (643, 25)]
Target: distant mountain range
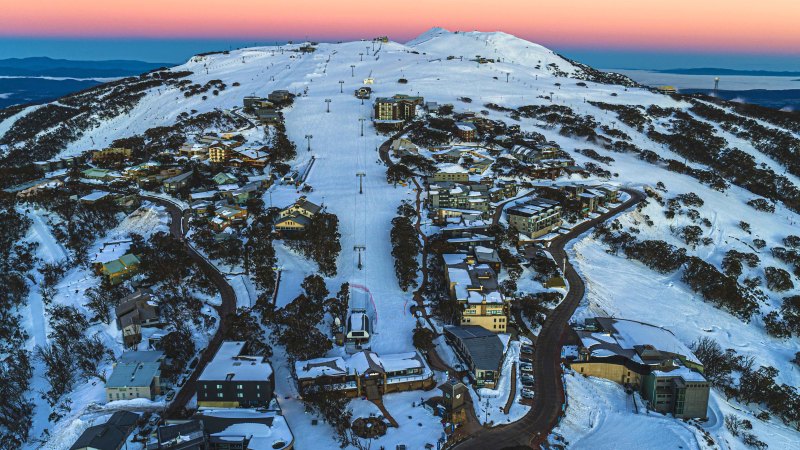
[(49, 67), (718, 71)]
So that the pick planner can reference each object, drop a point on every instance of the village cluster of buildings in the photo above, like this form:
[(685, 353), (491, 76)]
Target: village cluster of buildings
[(235, 400)]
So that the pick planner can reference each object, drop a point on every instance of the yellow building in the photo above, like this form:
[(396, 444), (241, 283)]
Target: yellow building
[(474, 286), (219, 154)]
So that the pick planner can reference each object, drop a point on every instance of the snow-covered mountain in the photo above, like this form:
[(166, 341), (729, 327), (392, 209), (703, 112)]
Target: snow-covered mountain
[(644, 140)]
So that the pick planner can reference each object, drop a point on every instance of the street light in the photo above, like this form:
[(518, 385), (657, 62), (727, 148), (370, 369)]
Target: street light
[(361, 55), (352, 70), (308, 138), (328, 101), (362, 119), (341, 86)]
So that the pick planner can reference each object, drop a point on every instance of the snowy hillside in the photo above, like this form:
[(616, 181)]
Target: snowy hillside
[(526, 85)]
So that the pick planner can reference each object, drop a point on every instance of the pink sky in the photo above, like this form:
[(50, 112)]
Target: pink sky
[(767, 26)]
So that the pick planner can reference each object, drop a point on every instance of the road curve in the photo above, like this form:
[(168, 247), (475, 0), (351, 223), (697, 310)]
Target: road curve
[(534, 428), (177, 228)]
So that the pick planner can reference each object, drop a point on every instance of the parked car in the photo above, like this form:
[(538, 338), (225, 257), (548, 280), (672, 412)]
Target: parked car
[(526, 367), (527, 349), (154, 419), (170, 395), (525, 360), (526, 393), (527, 379), (182, 380), (194, 362)]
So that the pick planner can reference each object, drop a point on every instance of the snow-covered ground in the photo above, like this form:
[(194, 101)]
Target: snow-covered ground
[(601, 416), (614, 285)]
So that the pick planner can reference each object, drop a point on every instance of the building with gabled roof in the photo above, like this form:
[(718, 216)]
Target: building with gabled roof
[(365, 373), (111, 435), (135, 375)]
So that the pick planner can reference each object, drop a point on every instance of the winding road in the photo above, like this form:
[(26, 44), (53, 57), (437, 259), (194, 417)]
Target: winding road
[(178, 227), (536, 425), (534, 428)]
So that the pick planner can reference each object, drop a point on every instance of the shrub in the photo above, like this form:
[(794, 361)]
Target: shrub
[(778, 280)]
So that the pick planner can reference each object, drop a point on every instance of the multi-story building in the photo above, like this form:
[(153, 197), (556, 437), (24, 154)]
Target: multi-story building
[(474, 286), (134, 312), (297, 216), (114, 154), (535, 218), (466, 131), (473, 197), (481, 351), (398, 107), (136, 375), (451, 172), (644, 357), (536, 153), (233, 380)]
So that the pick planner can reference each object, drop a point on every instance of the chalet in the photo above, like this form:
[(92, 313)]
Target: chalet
[(267, 115), (227, 216), (121, 269), (134, 312), (474, 286), (535, 218), (178, 182), (297, 216), (647, 358), (251, 157), (135, 375), (402, 147), (224, 178), (234, 380), (481, 351), (265, 180), (279, 96), (365, 374), (111, 435), (536, 153)]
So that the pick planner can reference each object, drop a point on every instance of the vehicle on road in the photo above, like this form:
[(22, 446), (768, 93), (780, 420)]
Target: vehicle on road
[(526, 393), (154, 420)]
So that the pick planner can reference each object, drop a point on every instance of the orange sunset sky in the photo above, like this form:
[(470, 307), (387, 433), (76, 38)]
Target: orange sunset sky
[(766, 26)]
